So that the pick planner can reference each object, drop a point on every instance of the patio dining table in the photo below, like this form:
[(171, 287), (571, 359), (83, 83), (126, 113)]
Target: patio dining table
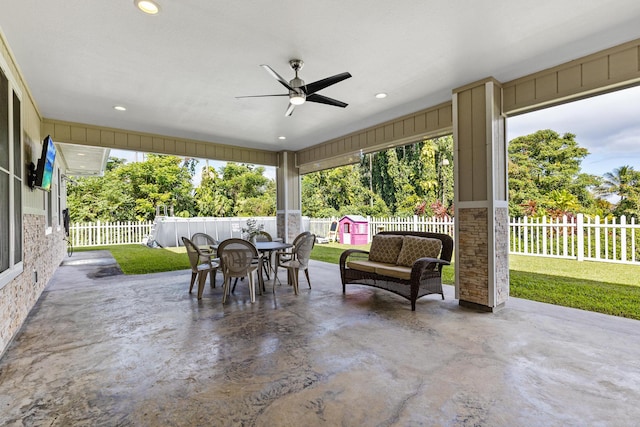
[(268, 249)]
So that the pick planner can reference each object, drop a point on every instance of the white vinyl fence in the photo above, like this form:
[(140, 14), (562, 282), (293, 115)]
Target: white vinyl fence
[(321, 226), (109, 233), (582, 237)]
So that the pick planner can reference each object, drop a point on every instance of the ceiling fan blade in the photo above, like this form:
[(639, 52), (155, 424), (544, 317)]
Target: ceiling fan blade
[(277, 76), (321, 84), (261, 96), (289, 110), (325, 100)]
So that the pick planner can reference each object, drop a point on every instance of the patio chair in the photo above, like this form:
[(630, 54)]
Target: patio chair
[(288, 255), (263, 236), (238, 259), (299, 261), (206, 243), (201, 264)]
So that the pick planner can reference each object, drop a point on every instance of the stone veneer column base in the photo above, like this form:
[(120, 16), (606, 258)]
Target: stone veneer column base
[(472, 256), (483, 275), (501, 255), (289, 224), (481, 307)]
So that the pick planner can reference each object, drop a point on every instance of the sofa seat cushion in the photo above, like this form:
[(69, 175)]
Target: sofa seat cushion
[(414, 247), (397, 271), (368, 266), (385, 248)]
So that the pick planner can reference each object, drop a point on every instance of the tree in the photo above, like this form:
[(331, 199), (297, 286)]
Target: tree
[(100, 198), (237, 190), (210, 197), (623, 182), (412, 177), (129, 192), (132, 191), (159, 181), (339, 191), (564, 203), (620, 182), (404, 180), (437, 181), (404, 195), (542, 162)]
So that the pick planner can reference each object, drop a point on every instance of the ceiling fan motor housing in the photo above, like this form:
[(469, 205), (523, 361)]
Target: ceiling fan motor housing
[(298, 95)]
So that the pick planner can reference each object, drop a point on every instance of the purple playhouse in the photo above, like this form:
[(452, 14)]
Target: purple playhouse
[(354, 230)]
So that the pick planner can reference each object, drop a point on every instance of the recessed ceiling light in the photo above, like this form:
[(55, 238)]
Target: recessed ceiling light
[(381, 95), (81, 154), (149, 7), (120, 108), (282, 137)]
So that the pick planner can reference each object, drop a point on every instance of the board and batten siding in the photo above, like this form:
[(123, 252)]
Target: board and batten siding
[(428, 123), (82, 134), (597, 73)]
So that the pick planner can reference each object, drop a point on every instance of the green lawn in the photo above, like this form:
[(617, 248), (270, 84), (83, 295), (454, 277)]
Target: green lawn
[(140, 259), (595, 286)]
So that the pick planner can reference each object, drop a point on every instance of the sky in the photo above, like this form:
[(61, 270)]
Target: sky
[(606, 125)]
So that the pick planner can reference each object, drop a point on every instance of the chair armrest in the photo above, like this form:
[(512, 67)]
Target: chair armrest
[(423, 264), (351, 252), (284, 252)]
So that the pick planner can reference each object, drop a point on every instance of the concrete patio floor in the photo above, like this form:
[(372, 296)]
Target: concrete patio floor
[(103, 349)]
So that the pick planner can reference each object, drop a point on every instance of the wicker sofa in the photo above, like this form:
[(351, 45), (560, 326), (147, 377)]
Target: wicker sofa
[(407, 263)]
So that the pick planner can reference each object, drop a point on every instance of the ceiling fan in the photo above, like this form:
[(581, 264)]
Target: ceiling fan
[(299, 92)]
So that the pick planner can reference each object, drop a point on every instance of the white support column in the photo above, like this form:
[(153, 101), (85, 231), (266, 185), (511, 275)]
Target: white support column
[(288, 197), (482, 220)]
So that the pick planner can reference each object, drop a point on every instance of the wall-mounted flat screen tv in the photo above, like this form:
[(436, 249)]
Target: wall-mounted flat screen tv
[(44, 171)]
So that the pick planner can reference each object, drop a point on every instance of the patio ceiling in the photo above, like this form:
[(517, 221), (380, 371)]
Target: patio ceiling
[(82, 160), (179, 73)]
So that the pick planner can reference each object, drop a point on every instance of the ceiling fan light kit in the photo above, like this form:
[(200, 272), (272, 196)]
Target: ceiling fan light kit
[(297, 98), (299, 92)]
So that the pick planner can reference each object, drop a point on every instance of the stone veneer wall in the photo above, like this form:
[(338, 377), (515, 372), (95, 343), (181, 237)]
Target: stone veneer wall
[(294, 223), (42, 253), (473, 253), (501, 251)]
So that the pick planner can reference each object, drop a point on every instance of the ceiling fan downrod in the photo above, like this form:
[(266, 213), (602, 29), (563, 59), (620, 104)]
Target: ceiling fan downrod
[(297, 96)]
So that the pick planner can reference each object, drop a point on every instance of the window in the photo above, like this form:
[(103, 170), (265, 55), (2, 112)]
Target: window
[(48, 206), (17, 181), (5, 174), (59, 201), (11, 239)]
